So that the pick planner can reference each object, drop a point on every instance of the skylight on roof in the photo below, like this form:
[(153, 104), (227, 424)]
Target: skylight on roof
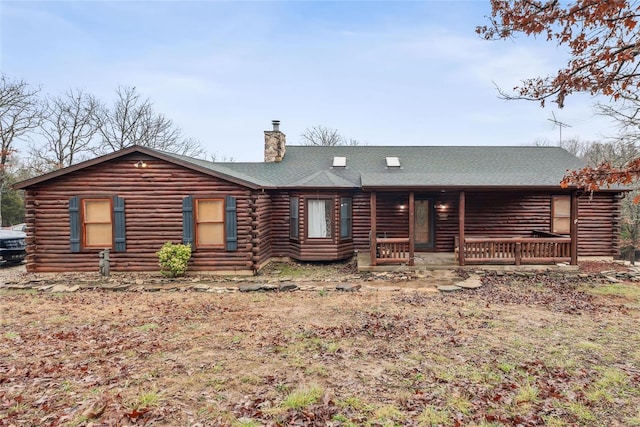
[(393, 162), (339, 162)]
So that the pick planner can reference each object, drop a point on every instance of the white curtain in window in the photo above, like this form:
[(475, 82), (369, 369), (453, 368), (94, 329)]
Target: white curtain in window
[(317, 218)]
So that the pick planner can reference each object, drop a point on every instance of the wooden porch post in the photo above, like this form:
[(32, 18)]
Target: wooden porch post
[(461, 209), (573, 230), (411, 236), (373, 239)]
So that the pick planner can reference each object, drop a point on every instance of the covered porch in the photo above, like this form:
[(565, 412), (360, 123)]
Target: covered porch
[(405, 224)]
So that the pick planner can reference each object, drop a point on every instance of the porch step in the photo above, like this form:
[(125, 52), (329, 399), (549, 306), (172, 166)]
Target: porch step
[(435, 258)]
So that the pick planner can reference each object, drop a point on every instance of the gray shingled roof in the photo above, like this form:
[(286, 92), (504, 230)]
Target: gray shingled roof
[(260, 174), (421, 167), (311, 167)]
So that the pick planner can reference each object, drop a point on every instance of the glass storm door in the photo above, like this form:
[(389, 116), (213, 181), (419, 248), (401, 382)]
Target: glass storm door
[(423, 229)]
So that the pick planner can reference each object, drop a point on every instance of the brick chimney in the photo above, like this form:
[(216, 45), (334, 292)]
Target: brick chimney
[(274, 143)]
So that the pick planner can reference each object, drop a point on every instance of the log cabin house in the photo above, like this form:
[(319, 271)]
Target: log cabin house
[(486, 205)]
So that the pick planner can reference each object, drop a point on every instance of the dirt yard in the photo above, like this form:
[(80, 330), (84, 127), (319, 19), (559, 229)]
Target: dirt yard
[(521, 350)]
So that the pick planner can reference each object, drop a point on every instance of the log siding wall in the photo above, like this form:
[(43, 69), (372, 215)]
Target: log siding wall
[(447, 222), (153, 212), (261, 224), (281, 247), (361, 220), (506, 214), (599, 224)]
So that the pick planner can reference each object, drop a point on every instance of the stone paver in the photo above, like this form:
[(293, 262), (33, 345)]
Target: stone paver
[(448, 288), (64, 288), (287, 286), (348, 287), (473, 282), (255, 287), (417, 281)]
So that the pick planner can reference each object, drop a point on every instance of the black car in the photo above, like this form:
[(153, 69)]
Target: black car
[(13, 246)]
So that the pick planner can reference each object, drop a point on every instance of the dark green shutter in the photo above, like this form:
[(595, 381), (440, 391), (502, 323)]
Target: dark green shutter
[(74, 224), (230, 223), (187, 221), (120, 242)]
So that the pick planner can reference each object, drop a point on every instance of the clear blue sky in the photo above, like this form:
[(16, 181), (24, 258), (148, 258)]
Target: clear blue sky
[(384, 73)]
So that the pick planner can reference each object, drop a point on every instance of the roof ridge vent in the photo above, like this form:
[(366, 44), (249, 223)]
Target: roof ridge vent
[(339, 162), (393, 161)]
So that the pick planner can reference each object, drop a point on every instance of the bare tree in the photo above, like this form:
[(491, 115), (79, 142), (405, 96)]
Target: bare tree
[(69, 126), (215, 157), (626, 114), (616, 152), (20, 113), (573, 145), (325, 136), (132, 121), (188, 147), (129, 122), (630, 227), (576, 146), (352, 142)]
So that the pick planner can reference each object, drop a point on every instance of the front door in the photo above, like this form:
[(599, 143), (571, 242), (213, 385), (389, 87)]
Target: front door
[(423, 228)]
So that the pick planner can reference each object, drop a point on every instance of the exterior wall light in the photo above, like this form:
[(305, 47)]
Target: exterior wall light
[(140, 164), (441, 211)]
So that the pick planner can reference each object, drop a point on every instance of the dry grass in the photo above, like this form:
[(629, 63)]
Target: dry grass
[(367, 358)]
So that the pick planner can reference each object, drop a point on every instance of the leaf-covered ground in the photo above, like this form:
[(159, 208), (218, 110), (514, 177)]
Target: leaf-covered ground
[(527, 351)]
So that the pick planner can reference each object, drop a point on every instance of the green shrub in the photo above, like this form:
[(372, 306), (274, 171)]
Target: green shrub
[(173, 259)]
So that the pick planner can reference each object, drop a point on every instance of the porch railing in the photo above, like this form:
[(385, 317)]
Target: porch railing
[(516, 250), (392, 250)]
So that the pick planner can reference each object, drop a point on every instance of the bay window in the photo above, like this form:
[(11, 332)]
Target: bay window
[(319, 218)]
